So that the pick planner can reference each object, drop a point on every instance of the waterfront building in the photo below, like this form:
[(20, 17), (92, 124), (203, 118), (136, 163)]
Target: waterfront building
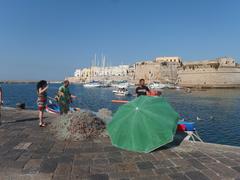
[(217, 73), (161, 69), (175, 59), (101, 73)]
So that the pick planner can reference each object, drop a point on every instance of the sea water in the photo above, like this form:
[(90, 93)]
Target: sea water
[(216, 112)]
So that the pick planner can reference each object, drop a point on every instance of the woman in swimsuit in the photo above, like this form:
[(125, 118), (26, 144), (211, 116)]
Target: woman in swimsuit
[(42, 87)]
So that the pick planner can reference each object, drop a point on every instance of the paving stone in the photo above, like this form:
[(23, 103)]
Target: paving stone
[(184, 155), (71, 151), (80, 172), (41, 176), (98, 177), (61, 178), (25, 156), (13, 155), (230, 155), (210, 174), (236, 168), (178, 176), (195, 163), (39, 155), (48, 166), (163, 171), (146, 173), (181, 162), (148, 157), (111, 149), (92, 150), (123, 175), (126, 167), (197, 154), (163, 164), (227, 161), (101, 161), (205, 160), (196, 175), (145, 165), (150, 177), (83, 156), (63, 169), (66, 159), (183, 169), (132, 158), (170, 155), (159, 155), (115, 160), (14, 164), (82, 162), (114, 154), (223, 170), (32, 166), (102, 168)]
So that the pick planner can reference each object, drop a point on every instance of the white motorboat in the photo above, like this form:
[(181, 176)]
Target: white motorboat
[(122, 84), (92, 85), (157, 85)]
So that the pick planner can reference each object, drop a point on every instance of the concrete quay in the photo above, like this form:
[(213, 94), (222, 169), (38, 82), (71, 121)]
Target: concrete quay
[(28, 152)]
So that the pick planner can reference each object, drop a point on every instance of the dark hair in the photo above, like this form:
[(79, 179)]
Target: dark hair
[(141, 80), (66, 81), (41, 84)]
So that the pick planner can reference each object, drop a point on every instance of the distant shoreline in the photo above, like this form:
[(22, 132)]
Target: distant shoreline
[(26, 82)]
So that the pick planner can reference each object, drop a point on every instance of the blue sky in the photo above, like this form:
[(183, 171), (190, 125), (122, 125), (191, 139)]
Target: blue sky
[(49, 39)]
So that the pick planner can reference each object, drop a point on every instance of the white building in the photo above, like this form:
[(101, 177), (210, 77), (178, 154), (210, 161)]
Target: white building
[(97, 71)]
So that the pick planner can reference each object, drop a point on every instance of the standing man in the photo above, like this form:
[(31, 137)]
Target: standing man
[(1, 103), (64, 97), (142, 89)]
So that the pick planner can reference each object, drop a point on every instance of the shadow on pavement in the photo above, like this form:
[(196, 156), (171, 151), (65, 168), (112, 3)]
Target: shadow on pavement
[(178, 138), (20, 120)]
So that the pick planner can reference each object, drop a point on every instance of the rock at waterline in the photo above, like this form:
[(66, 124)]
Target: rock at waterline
[(80, 125)]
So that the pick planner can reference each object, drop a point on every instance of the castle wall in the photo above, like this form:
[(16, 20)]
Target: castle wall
[(210, 77)]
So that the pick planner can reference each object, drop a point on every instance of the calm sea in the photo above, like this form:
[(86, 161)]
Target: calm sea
[(215, 111)]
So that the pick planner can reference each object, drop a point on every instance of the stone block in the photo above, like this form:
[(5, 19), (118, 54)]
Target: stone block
[(196, 175), (145, 165)]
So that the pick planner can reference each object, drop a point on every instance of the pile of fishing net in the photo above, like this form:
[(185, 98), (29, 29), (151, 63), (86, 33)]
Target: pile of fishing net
[(81, 125)]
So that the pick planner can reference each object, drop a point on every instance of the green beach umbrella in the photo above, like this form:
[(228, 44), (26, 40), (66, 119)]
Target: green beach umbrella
[(143, 125)]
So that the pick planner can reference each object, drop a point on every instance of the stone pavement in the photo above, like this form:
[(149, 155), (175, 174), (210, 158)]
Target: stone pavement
[(28, 152)]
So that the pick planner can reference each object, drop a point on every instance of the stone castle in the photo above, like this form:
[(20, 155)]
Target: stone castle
[(217, 73), (220, 72)]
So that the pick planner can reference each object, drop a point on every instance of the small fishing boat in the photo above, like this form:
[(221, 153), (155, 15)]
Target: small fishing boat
[(121, 92), (53, 108)]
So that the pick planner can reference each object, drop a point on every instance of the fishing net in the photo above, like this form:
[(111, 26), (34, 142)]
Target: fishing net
[(81, 125)]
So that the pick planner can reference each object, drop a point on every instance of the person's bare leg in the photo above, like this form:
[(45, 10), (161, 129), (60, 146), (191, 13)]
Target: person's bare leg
[(40, 117)]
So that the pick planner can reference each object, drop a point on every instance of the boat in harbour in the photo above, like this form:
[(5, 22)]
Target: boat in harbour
[(121, 84), (92, 85), (157, 85), (121, 92)]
